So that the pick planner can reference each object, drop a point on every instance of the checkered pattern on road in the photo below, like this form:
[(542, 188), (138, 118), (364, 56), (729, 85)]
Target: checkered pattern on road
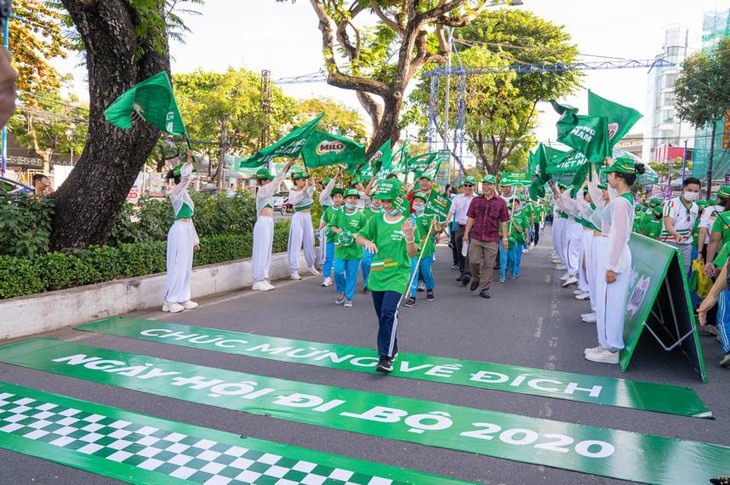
[(178, 455)]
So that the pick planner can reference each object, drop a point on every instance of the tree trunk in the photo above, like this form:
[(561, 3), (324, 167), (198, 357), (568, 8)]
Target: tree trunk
[(709, 166), (96, 188), (388, 128)]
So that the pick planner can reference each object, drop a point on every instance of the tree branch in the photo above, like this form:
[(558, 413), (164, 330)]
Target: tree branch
[(386, 20)]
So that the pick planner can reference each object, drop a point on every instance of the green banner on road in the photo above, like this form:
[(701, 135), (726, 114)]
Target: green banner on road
[(659, 302), (540, 382), (137, 448), (587, 449)]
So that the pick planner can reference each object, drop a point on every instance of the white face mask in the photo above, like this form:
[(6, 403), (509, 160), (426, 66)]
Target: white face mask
[(691, 196)]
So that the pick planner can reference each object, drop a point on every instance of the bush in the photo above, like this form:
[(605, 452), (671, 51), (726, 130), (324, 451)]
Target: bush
[(25, 225), (68, 269)]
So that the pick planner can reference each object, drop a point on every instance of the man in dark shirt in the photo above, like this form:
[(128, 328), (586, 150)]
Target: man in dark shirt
[(485, 215)]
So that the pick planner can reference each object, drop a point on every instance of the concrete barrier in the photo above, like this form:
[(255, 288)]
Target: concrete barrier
[(44, 312)]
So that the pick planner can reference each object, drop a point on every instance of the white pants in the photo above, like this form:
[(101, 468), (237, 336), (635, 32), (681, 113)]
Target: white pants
[(591, 252), (586, 239), (558, 227), (180, 241), (263, 239), (573, 250), (611, 300), (301, 232)]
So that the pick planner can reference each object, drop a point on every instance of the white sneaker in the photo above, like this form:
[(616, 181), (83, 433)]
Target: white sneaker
[(583, 315), (172, 307), (570, 281), (348, 303), (327, 282), (190, 305), (603, 357), (577, 292), (561, 266), (313, 270), (593, 350), (295, 276), (261, 286), (556, 261), (268, 283), (590, 318), (565, 277), (583, 296), (340, 299)]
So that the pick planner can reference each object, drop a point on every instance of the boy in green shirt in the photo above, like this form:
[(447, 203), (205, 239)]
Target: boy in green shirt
[(426, 242), (347, 224)]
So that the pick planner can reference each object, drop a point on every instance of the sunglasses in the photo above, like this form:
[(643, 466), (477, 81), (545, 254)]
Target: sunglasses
[(468, 185)]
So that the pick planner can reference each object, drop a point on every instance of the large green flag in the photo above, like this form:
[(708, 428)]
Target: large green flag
[(289, 146), (421, 162), (587, 134), (154, 101), (323, 148), (620, 118), (515, 179), (400, 159)]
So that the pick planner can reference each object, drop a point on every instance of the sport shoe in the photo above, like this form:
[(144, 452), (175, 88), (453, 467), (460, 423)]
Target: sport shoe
[(474, 285), (565, 277), (327, 282), (593, 350), (603, 357), (561, 266), (268, 283), (395, 353), (190, 305), (429, 295), (725, 362), (590, 318), (348, 303), (484, 294), (313, 270), (501, 280), (385, 364), (421, 286), (172, 307), (570, 281), (410, 302), (454, 266), (340, 299), (583, 296), (365, 290), (466, 280), (577, 292), (261, 286), (295, 276)]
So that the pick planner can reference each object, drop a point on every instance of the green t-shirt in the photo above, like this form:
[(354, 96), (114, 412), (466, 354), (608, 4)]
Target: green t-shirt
[(329, 216), (522, 221), (391, 265), (722, 225), (370, 213), (423, 224), (352, 223), (652, 228)]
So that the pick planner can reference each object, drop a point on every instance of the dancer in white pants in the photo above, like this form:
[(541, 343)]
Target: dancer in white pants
[(182, 239), (301, 232), (263, 231), (600, 199), (614, 262), (571, 237)]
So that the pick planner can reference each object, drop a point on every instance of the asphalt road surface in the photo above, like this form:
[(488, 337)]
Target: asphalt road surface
[(528, 322)]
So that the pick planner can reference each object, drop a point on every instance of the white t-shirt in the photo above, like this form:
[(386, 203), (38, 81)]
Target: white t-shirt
[(459, 207), (684, 220), (708, 218)]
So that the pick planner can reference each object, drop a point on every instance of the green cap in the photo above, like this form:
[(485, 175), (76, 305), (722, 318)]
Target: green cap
[(712, 202), (622, 164), (299, 174), (657, 210), (724, 191), (489, 179), (355, 181), (264, 174), (337, 190), (469, 180), (422, 175), (177, 169), (420, 195), (388, 189), (352, 193)]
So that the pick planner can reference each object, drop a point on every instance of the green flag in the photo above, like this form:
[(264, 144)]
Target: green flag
[(620, 118), (289, 146), (587, 134), (515, 179), (323, 148), (400, 159), (420, 163), (382, 158), (438, 205), (154, 101)]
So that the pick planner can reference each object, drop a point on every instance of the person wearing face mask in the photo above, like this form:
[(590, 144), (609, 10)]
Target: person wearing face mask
[(680, 214), (347, 224), (263, 230), (426, 230), (330, 213), (376, 206)]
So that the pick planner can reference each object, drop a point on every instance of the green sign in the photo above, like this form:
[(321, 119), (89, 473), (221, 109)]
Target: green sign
[(438, 205), (137, 448), (515, 179), (659, 302), (586, 449), (323, 148), (485, 375)]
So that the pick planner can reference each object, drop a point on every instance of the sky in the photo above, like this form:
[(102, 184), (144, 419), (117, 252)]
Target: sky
[(283, 38)]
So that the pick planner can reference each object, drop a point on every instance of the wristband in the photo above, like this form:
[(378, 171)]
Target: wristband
[(412, 241)]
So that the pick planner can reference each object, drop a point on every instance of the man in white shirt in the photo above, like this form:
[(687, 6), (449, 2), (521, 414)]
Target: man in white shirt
[(459, 207), (680, 214)]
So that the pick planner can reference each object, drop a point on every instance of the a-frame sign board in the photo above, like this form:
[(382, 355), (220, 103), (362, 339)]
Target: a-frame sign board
[(659, 303)]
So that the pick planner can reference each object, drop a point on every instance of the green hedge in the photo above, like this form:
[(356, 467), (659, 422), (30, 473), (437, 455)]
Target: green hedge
[(68, 269)]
